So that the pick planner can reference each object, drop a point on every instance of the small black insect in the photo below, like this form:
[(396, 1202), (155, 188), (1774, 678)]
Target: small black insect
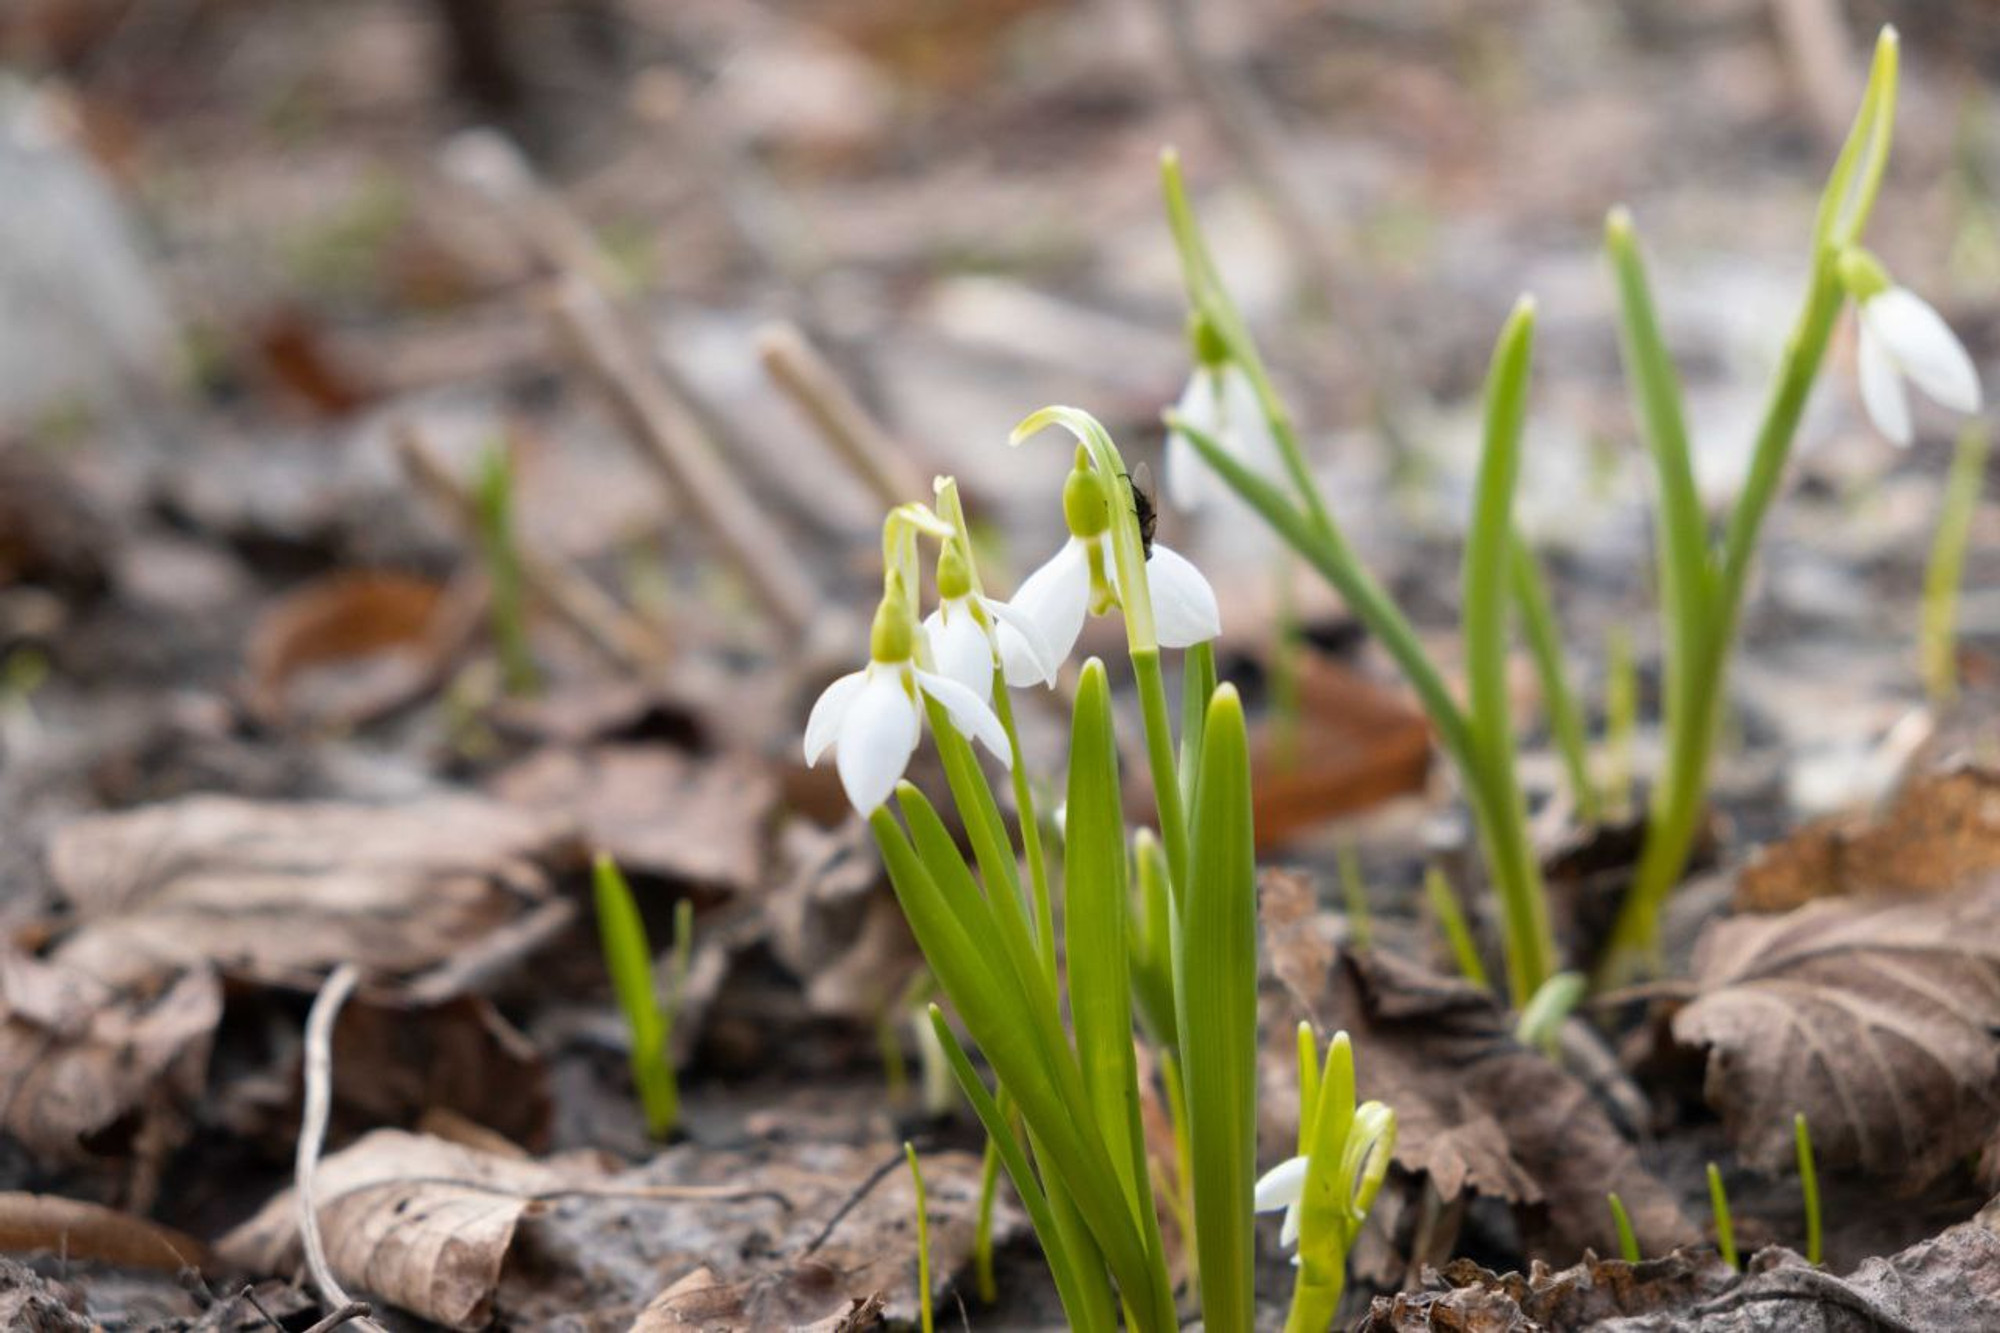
[(1143, 507)]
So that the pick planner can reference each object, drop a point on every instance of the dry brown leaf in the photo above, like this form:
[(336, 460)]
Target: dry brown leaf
[(89, 1231), (1947, 1284), (656, 810), (1475, 1110), (280, 892), (31, 1303), (419, 1222), (93, 1071), (833, 923), (1358, 745), (349, 647), (703, 1303), (1941, 832), (1877, 1019)]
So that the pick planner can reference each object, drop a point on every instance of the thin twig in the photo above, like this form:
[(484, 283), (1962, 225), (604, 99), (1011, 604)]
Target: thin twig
[(637, 1193), (816, 389), (312, 1137), (853, 1201), (670, 438), (617, 636), (355, 1312)]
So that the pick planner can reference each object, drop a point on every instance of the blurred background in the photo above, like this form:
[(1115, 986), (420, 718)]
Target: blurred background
[(244, 246)]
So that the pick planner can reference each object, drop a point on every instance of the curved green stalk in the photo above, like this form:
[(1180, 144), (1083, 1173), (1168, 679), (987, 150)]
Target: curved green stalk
[(1566, 726), (1628, 1240), (923, 1239), (1808, 1185)]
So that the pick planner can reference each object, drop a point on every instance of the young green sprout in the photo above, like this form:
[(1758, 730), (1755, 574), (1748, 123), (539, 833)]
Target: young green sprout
[(1938, 644), (1628, 1242), (923, 1238), (1353, 891), (1621, 719), (1540, 1022), (1451, 920), (1808, 1185), (629, 960), (1326, 1191), (493, 498), (1544, 637), (1725, 1230)]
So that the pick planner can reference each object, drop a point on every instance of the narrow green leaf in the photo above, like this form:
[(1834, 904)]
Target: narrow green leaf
[(1501, 809), (1353, 892), (1153, 941), (1216, 960), (1808, 1185), (1849, 196), (1451, 919), (1628, 1240), (1725, 1229), (1540, 1022), (1938, 642), (1085, 1297), (1197, 684), (629, 959), (923, 1238), (493, 505), (1308, 1053), (1095, 896)]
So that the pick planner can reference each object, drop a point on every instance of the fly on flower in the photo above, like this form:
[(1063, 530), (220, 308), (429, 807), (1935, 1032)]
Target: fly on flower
[(1143, 507)]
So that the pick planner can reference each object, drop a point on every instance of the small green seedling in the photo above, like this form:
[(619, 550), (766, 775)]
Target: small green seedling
[(629, 959), (1938, 646), (1808, 1186), (493, 501), (1725, 1230), (1540, 1022), (1353, 892), (1545, 645), (1628, 1242), (923, 1238), (1451, 920)]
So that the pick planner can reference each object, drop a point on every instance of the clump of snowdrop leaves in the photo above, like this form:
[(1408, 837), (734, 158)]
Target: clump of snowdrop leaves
[(1903, 338)]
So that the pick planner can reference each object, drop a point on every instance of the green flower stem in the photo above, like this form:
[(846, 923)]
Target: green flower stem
[(1197, 686), (982, 1233), (1030, 827), (1160, 758), (1457, 935), (1808, 1186)]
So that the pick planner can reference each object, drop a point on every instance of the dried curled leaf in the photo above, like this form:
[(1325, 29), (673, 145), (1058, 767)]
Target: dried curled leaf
[(281, 892), (1941, 832), (1475, 1110), (1878, 1020), (419, 1222)]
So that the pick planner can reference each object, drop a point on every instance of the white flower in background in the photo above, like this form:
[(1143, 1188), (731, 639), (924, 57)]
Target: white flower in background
[(1282, 1187), (964, 632), (1083, 574), (873, 717), (1903, 337), (1221, 403)]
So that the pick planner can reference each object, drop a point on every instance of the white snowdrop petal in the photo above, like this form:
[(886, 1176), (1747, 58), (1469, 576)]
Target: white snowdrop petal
[(1249, 431), (1005, 617), (1924, 347), (1281, 1186), (877, 739), (1056, 598), (961, 648), (1190, 482), (828, 711), (1882, 387), (1288, 1234), (969, 713), (1184, 606)]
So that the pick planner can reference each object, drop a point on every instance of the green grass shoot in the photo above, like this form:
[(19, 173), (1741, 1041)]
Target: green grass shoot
[(1808, 1186), (493, 502), (923, 1238), (1457, 934), (1725, 1230), (1938, 644), (1541, 1021), (1628, 1243), (1621, 719), (629, 960), (1353, 892), (1559, 702)]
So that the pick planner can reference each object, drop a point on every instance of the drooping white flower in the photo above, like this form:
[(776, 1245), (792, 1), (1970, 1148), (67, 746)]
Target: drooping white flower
[(1083, 575), (1220, 402), (873, 717), (1903, 337), (964, 632), (1282, 1187)]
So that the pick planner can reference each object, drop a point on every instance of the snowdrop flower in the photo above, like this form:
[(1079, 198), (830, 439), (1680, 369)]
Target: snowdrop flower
[(873, 717), (1083, 576), (1221, 403), (1903, 337), (1282, 1187), (963, 631)]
